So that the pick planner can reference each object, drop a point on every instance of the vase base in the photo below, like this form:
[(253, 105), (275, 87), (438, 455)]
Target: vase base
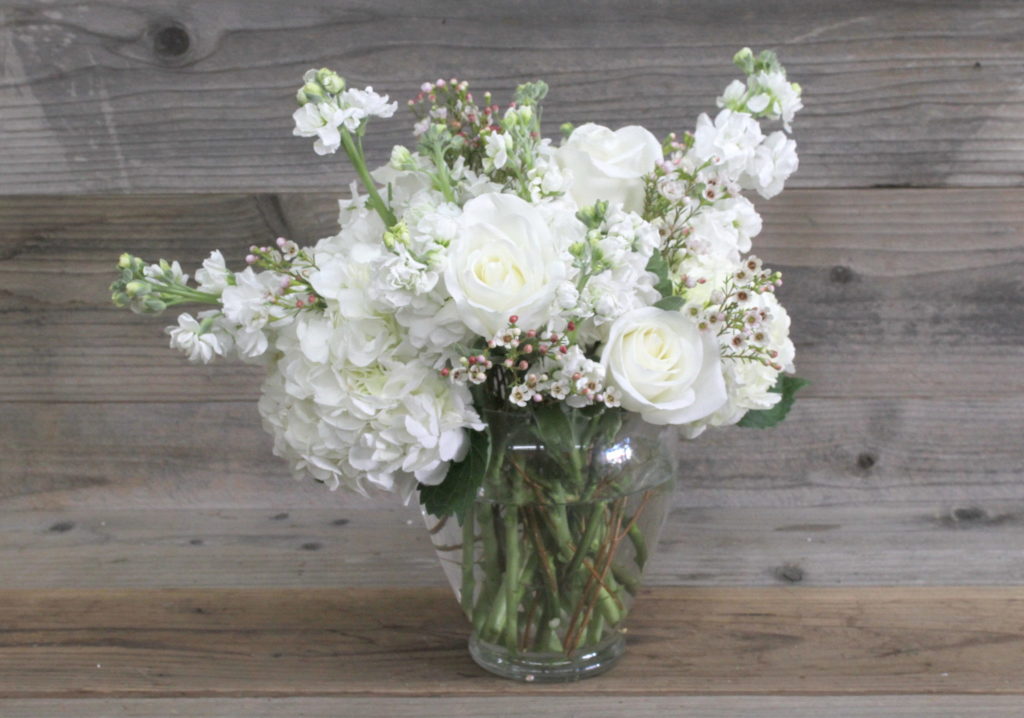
[(548, 667)]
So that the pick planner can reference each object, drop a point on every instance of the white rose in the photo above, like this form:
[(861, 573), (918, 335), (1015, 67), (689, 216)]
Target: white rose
[(609, 165), (504, 261), (665, 368)]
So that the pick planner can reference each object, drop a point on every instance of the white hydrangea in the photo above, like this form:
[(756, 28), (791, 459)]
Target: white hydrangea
[(388, 424)]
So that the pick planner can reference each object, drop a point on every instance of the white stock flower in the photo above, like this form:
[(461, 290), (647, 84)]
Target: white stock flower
[(664, 367), (247, 301), (776, 96), (504, 261), (607, 165), (320, 120), (729, 141), (496, 149), (725, 228), (199, 345), (368, 103), (773, 162), (213, 277)]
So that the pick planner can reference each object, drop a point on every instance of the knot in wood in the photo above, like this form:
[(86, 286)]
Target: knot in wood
[(841, 274), (170, 40)]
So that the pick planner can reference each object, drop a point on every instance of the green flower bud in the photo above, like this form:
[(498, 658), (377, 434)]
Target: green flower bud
[(138, 288), (330, 80), (153, 305), (120, 299), (124, 261), (577, 249), (401, 158), (313, 92), (744, 60), (399, 234), (566, 129)]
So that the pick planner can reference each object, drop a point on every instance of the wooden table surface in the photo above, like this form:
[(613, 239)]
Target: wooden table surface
[(866, 558)]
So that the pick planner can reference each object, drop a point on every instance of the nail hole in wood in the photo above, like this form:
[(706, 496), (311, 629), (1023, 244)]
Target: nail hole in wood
[(312, 546), (866, 460), (62, 527)]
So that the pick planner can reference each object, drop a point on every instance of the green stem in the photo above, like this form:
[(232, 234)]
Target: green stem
[(359, 164), (468, 560), (186, 294), (593, 524), (511, 574)]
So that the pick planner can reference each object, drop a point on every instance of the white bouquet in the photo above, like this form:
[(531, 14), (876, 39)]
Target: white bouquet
[(488, 269)]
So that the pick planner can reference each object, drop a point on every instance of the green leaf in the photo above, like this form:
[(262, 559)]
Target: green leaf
[(455, 495), (659, 267), (553, 426), (764, 418), (672, 304)]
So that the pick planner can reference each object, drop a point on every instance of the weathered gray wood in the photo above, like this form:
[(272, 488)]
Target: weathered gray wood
[(360, 544), (578, 706), (828, 452), (196, 96), (892, 292), (411, 642)]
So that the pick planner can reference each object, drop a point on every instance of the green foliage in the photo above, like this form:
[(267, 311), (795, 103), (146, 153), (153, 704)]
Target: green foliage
[(659, 267), (765, 61), (672, 304), (788, 387), (531, 93), (456, 493)]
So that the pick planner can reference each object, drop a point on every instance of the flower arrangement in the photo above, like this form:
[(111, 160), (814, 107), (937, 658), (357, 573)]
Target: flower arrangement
[(490, 273)]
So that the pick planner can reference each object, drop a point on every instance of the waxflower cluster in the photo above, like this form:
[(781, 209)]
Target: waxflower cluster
[(489, 267)]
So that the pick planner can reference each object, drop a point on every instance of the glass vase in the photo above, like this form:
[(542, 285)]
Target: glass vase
[(548, 558)]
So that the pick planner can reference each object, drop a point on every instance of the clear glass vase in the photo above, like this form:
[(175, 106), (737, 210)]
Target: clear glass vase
[(548, 558)]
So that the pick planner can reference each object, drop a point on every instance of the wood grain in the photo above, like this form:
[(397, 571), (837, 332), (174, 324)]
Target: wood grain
[(196, 96), (892, 293), (372, 545), (366, 642), (577, 706), (828, 452)]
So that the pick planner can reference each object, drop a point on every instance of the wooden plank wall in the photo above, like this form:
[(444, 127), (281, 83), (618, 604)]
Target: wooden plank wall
[(164, 128)]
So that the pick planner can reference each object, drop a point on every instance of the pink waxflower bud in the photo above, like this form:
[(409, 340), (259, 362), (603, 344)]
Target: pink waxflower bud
[(531, 333), (446, 371), (537, 398), (281, 241), (524, 365), (528, 349), (513, 319), (250, 259)]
